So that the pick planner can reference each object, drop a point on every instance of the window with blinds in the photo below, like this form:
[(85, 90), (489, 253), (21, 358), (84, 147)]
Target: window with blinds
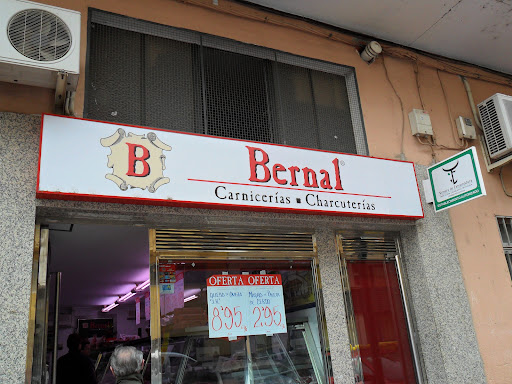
[(147, 74), (505, 226)]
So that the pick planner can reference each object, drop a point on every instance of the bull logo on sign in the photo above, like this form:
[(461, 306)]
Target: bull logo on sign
[(137, 161), (450, 172)]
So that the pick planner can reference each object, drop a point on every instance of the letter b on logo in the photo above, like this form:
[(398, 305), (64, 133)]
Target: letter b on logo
[(133, 159)]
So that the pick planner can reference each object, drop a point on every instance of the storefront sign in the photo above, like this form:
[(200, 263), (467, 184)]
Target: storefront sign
[(243, 305), (456, 180), (96, 327), (88, 160)]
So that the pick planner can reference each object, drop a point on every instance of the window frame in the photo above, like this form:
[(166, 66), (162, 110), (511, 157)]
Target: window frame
[(505, 231), (96, 16)]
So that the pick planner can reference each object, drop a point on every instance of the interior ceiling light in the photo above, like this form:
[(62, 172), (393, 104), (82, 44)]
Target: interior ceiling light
[(138, 288), (189, 298), (122, 299), (142, 286), (109, 307)]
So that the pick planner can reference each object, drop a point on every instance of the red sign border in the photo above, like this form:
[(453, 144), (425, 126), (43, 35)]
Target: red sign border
[(193, 204)]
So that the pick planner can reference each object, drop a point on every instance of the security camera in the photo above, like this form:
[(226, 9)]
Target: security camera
[(371, 51)]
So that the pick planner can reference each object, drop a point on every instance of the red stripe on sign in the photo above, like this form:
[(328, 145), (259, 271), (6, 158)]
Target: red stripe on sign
[(242, 280)]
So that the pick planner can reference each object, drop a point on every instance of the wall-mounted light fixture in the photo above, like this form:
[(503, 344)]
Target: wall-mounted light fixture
[(370, 52)]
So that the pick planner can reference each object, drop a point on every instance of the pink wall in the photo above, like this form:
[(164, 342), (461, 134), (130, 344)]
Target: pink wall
[(486, 276)]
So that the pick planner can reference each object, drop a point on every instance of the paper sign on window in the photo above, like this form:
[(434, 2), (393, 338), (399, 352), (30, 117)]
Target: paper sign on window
[(166, 276), (243, 305)]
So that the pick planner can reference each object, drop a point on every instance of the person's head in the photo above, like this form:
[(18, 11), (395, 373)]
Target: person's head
[(125, 361), (73, 342), (86, 347)]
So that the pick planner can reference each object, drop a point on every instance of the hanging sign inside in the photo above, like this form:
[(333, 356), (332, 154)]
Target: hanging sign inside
[(243, 305), (147, 306), (456, 180), (96, 161), (166, 276), (137, 310)]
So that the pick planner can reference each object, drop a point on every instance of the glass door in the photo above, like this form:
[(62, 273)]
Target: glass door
[(187, 351), (386, 356), (380, 328)]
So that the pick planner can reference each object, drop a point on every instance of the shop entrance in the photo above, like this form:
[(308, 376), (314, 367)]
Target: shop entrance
[(380, 329), (123, 285), (86, 281)]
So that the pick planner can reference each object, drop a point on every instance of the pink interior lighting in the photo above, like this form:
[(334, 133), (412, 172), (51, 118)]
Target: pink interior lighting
[(122, 299), (189, 298), (109, 307), (138, 288), (142, 286)]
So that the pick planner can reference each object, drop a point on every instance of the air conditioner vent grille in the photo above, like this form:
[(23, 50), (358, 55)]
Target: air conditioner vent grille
[(492, 127), (39, 35)]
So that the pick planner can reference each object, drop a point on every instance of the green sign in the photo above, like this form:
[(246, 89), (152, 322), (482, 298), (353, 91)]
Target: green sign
[(456, 180)]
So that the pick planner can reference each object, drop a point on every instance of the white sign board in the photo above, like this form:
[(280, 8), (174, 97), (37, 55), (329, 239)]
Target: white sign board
[(89, 160), (244, 305), (456, 180)]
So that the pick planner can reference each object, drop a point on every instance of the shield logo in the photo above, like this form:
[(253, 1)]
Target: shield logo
[(137, 161)]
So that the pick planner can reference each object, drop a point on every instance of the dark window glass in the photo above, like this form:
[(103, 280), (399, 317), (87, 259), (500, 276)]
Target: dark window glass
[(114, 84), (236, 96), (141, 79), (295, 106), (170, 85)]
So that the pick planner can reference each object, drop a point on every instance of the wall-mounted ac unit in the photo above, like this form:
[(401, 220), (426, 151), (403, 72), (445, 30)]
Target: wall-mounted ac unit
[(37, 42), (496, 116)]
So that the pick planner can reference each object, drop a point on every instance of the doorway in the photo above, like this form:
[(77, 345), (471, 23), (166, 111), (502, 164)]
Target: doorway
[(89, 281), (380, 326)]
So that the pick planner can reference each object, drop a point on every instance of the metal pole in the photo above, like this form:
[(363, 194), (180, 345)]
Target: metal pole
[(38, 367), (249, 374), (58, 279), (410, 326), (155, 330)]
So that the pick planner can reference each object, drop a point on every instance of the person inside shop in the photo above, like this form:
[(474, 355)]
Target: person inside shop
[(126, 364), (85, 348), (74, 367)]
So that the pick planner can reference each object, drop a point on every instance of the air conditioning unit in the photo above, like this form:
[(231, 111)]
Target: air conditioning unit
[(37, 42), (496, 116)]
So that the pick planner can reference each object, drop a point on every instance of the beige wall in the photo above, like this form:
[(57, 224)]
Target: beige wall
[(24, 99), (486, 276)]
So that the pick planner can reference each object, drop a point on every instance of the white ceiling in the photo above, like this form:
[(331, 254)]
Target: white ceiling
[(474, 31)]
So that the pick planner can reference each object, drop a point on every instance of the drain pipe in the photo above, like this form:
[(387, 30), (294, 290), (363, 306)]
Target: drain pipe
[(471, 102), (69, 104)]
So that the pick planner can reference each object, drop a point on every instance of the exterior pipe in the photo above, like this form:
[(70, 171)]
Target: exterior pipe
[(471, 102)]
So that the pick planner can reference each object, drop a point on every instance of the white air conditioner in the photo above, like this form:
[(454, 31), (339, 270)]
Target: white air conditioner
[(37, 42), (496, 116)]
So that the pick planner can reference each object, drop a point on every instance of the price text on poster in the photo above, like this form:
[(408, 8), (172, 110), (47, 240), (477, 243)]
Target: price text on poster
[(243, 305)]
